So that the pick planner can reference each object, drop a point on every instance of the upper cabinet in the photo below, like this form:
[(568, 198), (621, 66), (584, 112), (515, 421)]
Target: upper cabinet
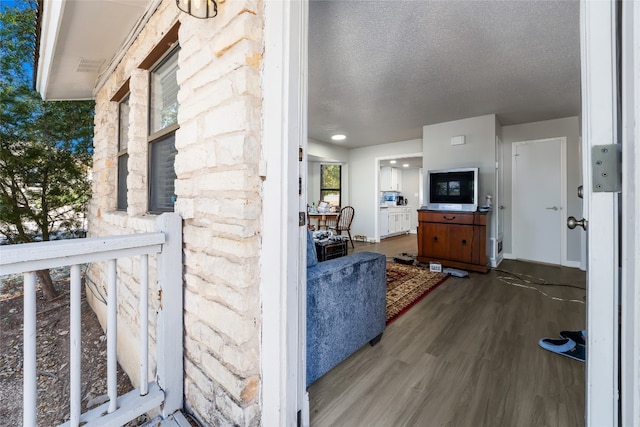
[(390, 179)]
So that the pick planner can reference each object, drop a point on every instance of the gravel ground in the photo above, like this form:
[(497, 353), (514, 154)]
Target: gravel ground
[(52, 355)]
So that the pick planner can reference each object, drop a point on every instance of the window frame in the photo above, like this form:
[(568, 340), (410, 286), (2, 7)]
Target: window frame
[(122, 201), (338, 189), (161, 134)]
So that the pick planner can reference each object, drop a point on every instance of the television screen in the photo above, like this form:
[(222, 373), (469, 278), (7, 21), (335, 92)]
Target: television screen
[(453, 189)]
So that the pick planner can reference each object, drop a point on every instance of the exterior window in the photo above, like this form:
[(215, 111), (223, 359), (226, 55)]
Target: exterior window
[(163, 123), (330, 184), (123, 156)]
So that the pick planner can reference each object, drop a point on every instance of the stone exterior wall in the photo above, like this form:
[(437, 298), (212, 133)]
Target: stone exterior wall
[(218, 195)]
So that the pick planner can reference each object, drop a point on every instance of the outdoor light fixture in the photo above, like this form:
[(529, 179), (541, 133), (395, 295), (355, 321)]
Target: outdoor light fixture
[(202, 9)]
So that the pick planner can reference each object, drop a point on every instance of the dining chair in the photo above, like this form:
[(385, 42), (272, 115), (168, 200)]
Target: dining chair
[(331, 222), (343, 223)]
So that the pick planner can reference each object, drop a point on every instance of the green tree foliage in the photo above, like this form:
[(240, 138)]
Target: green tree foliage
[(45, 147), (330, 176)]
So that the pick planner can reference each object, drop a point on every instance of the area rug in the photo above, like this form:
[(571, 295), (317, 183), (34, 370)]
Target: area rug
[(407, 285)]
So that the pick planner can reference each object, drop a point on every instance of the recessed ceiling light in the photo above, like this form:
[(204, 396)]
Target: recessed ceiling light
[(339, 137), (393, 162), (406, 165)]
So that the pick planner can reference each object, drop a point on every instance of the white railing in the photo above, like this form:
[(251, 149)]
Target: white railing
[(165, 392)]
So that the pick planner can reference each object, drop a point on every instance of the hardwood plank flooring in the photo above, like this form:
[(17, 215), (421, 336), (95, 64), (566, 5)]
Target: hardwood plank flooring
[(466, 355)]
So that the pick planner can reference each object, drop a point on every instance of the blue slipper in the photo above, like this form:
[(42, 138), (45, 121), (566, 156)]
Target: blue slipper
[(576, 336), (565, 347)]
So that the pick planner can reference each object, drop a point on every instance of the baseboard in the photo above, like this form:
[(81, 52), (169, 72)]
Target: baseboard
[(304, 422), (571, 264), (496, 262)]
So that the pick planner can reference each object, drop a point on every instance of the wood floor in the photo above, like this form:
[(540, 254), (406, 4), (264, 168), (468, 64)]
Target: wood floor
[(466, 355)]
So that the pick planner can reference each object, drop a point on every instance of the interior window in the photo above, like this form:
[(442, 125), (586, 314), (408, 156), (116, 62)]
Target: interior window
[(123, 156), (163, 123), (331, 184)]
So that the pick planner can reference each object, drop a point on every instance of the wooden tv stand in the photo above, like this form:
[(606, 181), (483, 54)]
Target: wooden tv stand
[(454, 239)]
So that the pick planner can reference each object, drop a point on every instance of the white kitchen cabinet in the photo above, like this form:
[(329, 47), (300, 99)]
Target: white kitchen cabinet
[(406, 219), (390, 179), (395, 220), (383, 222)]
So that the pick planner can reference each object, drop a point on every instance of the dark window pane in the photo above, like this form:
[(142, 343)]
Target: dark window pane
[(162, 174), (123, 171)]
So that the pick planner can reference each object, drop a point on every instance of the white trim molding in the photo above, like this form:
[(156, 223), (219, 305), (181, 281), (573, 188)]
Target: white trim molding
[(630, 287), (600, 121), (283, 122)]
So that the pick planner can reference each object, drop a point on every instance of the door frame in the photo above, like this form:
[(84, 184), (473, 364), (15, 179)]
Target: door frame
[(630, 286), (283, 256), (599, 66), (515, 195), (497, 252)]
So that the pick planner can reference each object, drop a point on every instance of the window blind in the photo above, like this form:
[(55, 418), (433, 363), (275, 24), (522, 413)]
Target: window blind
[(162, 179)]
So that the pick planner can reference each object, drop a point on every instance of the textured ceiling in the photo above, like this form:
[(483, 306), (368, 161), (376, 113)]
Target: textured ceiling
[(379, 71)]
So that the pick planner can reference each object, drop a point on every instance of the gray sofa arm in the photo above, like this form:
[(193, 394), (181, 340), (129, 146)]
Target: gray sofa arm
[(346, 304)]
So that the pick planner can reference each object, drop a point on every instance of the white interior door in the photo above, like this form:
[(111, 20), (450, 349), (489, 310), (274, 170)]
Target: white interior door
[(600, 124), (539, 184)]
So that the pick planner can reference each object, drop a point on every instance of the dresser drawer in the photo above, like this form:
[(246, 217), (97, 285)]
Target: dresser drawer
[(446, 217)]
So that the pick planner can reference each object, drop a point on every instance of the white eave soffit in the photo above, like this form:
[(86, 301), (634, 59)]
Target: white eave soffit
[(81, 42)]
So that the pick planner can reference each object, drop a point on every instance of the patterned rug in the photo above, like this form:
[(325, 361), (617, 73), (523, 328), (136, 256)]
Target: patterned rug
[(406, 286)]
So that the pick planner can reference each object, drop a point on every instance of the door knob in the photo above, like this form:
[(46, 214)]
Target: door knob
[(573, 223)]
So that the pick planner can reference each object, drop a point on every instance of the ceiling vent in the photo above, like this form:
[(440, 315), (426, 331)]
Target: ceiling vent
[(89, 65)]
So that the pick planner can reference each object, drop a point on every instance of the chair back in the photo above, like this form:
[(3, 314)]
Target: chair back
[(345, 218)]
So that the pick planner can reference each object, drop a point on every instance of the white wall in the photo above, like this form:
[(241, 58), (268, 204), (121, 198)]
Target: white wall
[(364, 176), (317, 151), (313, 182), (569, 128), (478, 151)]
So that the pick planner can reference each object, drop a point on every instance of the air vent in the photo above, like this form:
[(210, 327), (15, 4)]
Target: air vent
[(89, 65)]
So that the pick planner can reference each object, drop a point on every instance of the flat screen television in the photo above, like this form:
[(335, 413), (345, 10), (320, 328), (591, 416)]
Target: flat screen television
[(452, 189)]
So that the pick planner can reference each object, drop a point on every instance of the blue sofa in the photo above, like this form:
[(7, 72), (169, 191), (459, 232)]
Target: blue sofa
[(346, 304)]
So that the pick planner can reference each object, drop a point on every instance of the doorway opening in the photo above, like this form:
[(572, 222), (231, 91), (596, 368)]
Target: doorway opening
[(414, 193)]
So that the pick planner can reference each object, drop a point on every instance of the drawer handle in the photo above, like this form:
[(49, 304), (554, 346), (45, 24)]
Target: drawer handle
[(464, 241), (447, 218), (435, 238)]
